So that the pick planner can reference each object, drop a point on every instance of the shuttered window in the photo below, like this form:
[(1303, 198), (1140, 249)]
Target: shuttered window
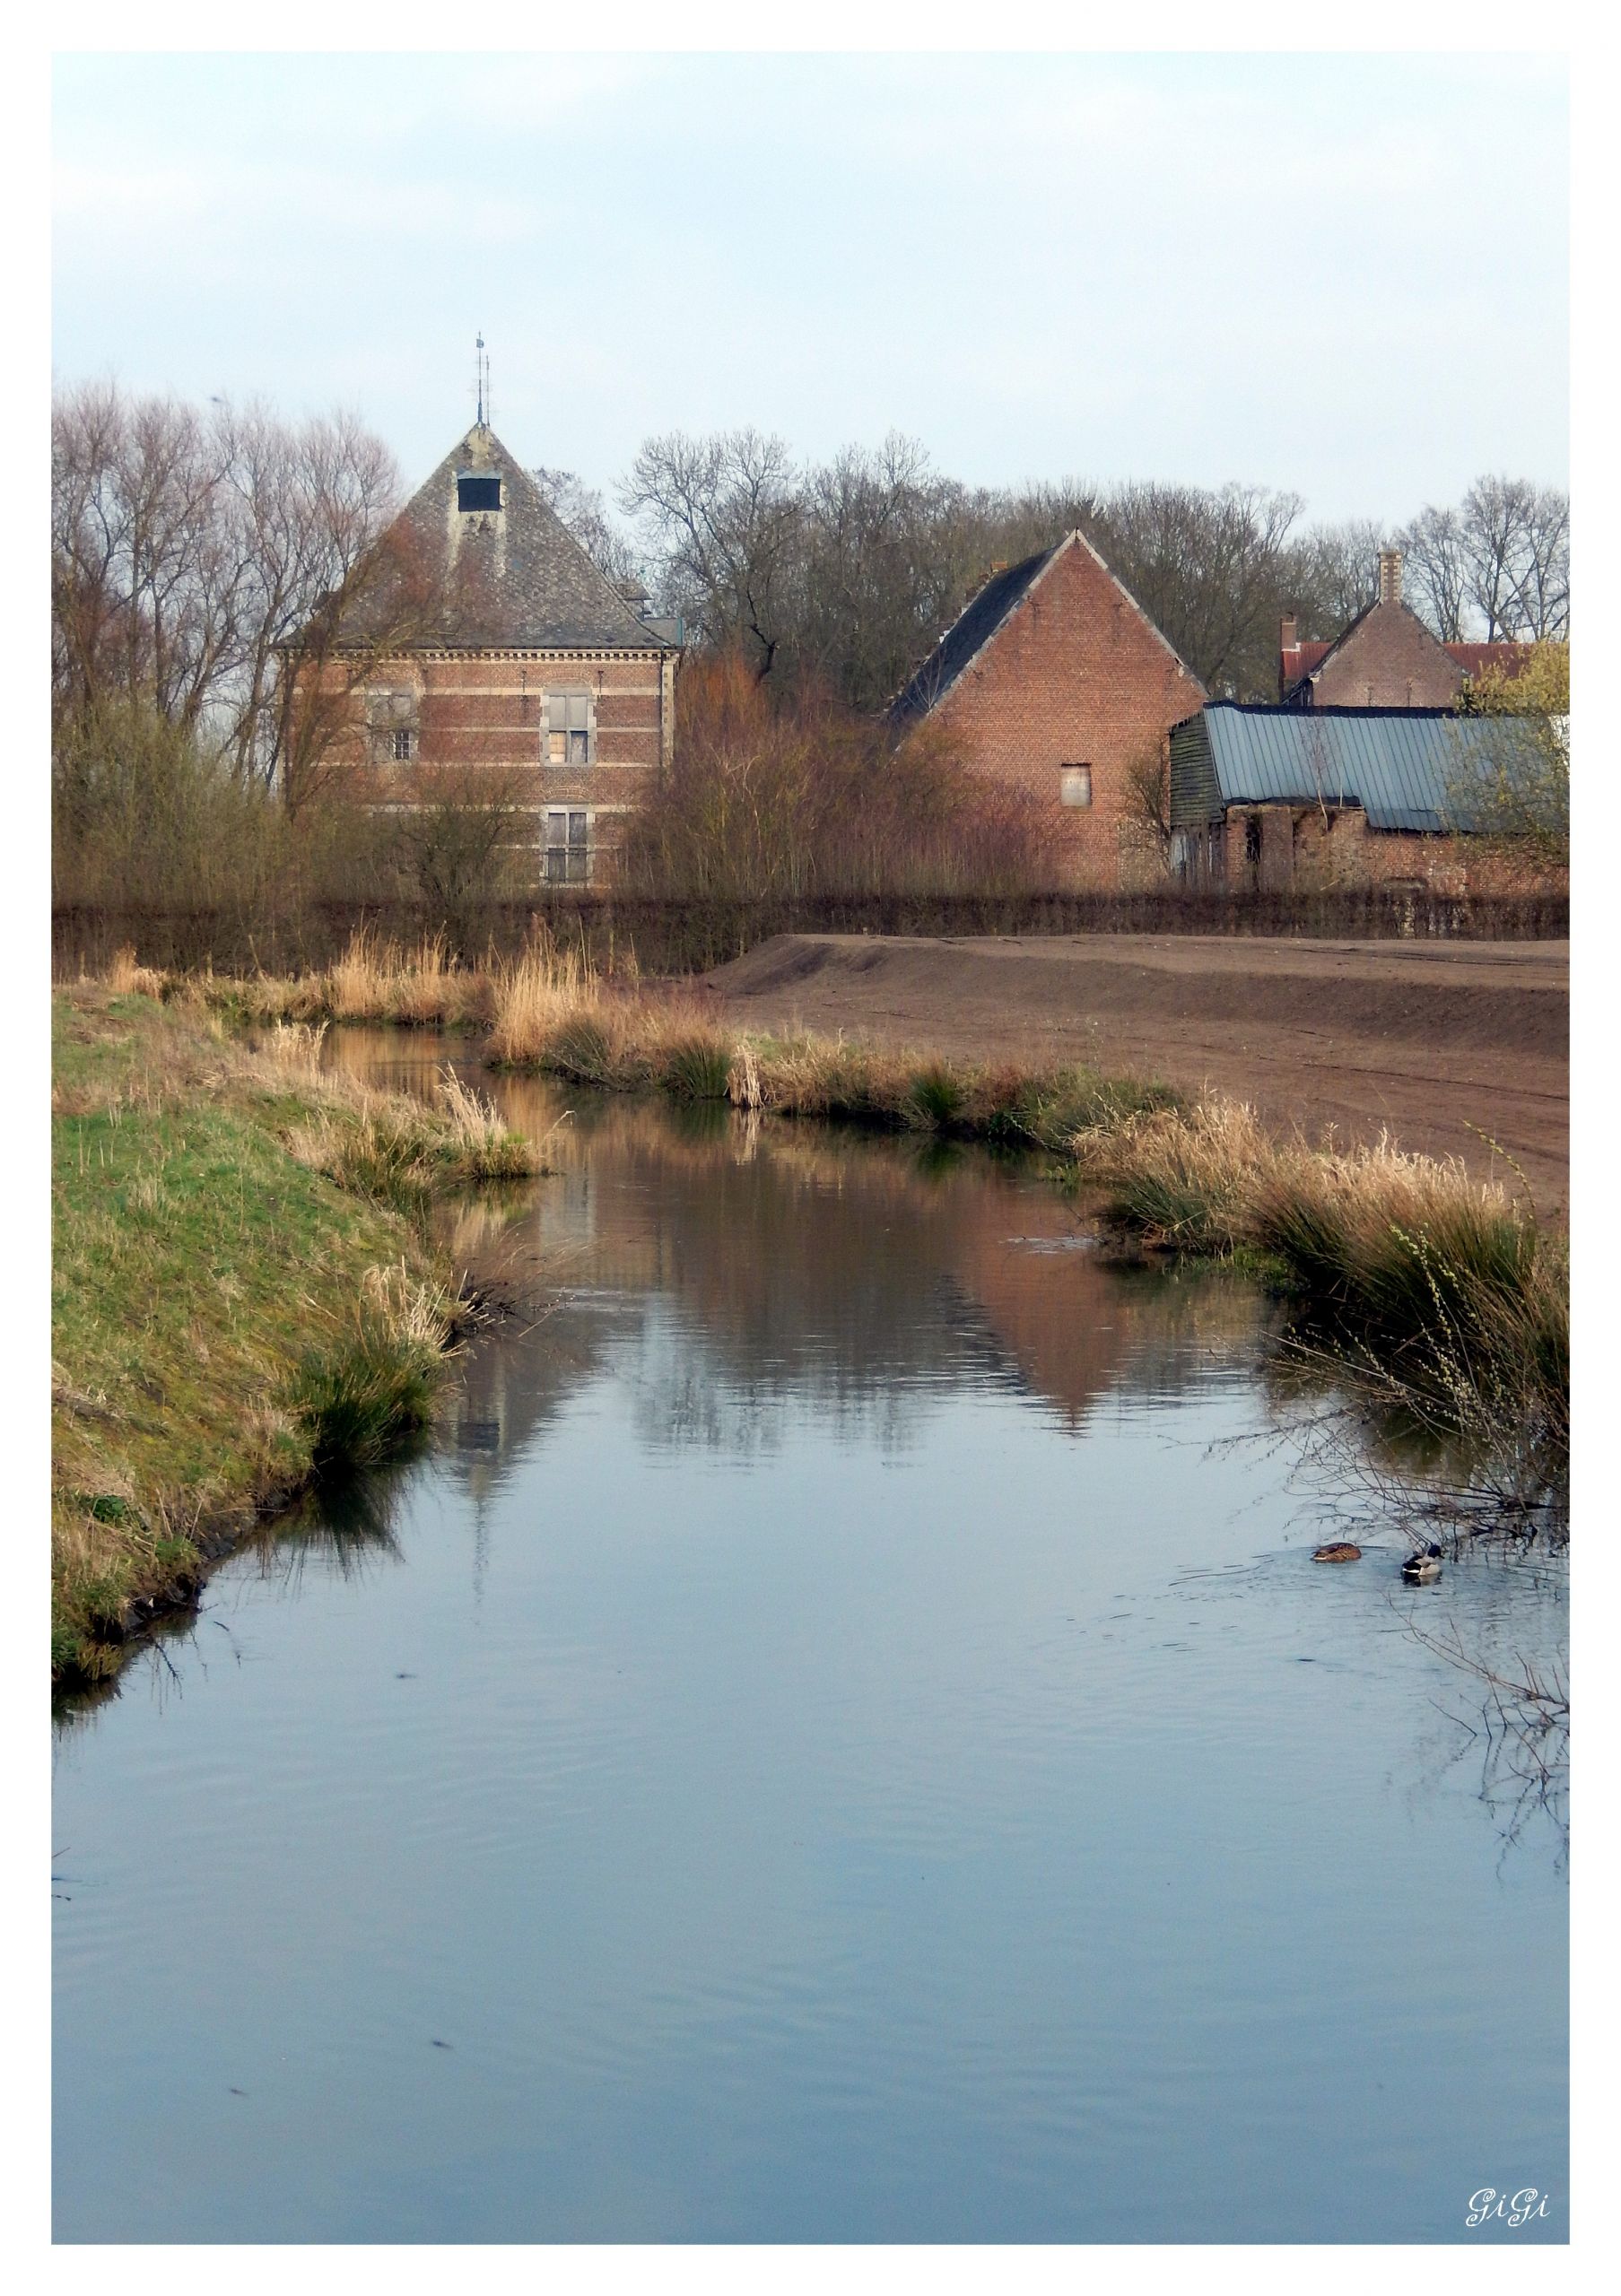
[(571, 733)]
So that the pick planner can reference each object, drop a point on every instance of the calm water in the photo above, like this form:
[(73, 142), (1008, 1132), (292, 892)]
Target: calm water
[(844, 1740)]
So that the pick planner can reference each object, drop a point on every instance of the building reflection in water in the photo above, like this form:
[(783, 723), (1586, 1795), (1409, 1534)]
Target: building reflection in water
[(739, 1273)]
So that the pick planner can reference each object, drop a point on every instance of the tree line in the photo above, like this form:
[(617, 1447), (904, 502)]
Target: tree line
[(204, 556), (850, 570), (200, 554)]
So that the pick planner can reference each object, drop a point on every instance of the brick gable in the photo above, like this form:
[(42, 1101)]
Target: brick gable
[(1073, 673)]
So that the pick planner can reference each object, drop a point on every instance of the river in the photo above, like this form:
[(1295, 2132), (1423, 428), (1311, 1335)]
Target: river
[(840, 1739)]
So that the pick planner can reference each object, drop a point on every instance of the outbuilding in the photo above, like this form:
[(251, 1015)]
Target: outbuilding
[(1267, 798), (1053, 680)]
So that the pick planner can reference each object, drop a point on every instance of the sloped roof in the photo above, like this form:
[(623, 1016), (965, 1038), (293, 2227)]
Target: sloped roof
[(515, 576), (1505, 654), (979, 622), (1403, 767), (984, 615), (1303, 661)]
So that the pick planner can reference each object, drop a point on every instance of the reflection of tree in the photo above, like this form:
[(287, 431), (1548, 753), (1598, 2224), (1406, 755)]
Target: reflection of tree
[(1516, 1722)]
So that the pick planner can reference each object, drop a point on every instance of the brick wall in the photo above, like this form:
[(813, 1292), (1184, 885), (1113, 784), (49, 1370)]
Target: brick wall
[(1389, 661), (1302, 852), (471, 711), (1076, 676)]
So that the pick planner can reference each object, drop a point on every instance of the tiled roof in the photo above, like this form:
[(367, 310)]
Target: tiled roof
[(515, 576), (1403, 767), (1299, 662), (1505, 655)]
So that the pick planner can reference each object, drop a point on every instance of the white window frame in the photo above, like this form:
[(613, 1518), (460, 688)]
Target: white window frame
[(1074, 788)]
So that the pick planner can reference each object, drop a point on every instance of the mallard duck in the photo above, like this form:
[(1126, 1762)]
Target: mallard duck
[(1338, 1550), (1420, 1569)]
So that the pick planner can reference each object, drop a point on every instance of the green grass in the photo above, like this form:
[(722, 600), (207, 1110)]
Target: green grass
[(228, 1316)]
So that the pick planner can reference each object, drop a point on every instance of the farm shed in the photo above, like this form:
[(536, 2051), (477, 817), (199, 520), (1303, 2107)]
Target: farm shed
[(1269, 797)]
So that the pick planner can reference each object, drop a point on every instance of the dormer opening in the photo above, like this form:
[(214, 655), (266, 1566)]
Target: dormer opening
[(476, 491)]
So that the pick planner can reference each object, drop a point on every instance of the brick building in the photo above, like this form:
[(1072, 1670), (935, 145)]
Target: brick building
[(517, 663), (1386, 659), (1054, 680), (1273, 799)]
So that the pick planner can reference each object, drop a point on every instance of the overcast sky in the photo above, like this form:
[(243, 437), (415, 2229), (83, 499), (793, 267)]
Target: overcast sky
[(1343, 276)]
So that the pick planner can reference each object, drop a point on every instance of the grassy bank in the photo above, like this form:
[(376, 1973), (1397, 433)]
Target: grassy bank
[(241, 1297), (1436, 1293)]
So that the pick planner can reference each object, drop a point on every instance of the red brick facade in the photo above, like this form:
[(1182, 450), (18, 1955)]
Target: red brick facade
[(1386, 659), (1072, 687), (523, 663), (455, 714), (1284, 848)]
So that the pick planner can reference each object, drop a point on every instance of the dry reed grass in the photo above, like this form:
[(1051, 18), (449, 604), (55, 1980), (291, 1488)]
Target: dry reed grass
[(126, 977), (1436, 1293)]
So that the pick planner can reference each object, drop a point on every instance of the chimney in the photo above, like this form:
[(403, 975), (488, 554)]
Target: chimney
[(1288, 655), (1390, 578)]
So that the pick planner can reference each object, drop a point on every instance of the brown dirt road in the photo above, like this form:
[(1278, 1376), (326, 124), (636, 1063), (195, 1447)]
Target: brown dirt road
[(1423, 1039)]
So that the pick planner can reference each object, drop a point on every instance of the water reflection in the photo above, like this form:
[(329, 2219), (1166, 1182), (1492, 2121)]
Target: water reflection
[(729, 1265), (842, 1738)]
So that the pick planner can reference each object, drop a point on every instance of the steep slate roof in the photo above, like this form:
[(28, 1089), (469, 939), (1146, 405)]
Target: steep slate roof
[(984, 617), (979, 622), (1403, 767), (512, 577)]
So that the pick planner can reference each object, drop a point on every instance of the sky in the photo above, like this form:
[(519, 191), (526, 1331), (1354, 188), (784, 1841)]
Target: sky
[(1343, 276)]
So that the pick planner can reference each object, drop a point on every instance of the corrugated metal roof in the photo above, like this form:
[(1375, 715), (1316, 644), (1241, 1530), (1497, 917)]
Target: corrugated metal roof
[(1403, 767)]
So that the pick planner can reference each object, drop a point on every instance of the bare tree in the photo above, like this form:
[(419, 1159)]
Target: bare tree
[(1208, 566), (722, 516), (1147, 801), (583, 512), (1517, 538), (1437, 569), (201, 561), (1498, 565), (1335, 573)]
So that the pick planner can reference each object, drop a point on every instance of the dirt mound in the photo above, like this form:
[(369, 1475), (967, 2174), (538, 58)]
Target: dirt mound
[(1438, 1042)]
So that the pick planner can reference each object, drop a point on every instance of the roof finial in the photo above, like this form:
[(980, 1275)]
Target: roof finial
[(481, 366)]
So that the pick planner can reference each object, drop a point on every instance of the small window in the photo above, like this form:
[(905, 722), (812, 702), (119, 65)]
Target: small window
[(1075, 785), (568, 846), (570, 730), (477, 493), (391, 723)]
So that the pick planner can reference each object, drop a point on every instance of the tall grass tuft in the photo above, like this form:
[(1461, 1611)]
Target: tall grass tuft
[(476, 1140), (363, 1391), (1182, 1177), (934, 1099), (1436, 1293), (697, 1067)]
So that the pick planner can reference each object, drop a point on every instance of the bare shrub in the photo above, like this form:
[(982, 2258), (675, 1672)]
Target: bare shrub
[(803, 797)]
